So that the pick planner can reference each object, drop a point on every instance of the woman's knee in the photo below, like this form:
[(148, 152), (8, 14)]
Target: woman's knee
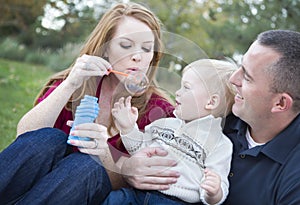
[(89, 165), (83, 163), (45, 136), (86, 168), (46, 141)]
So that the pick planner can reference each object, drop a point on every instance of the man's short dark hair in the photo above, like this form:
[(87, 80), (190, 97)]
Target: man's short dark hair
[(286, 71)]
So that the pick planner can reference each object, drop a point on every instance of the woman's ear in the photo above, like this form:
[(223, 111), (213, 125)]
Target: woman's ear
[(213, 102), (283, 103)]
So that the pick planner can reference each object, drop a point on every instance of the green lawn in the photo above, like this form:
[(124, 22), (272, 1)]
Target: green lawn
[(19, 85)]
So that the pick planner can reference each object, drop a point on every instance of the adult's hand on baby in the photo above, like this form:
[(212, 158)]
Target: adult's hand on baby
[(85, 67), (142, 171)]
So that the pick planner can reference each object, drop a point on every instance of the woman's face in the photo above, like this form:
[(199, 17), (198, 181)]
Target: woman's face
[(131, 48)]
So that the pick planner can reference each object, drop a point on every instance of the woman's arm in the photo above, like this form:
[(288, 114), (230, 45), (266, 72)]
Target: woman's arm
[(46, 112)]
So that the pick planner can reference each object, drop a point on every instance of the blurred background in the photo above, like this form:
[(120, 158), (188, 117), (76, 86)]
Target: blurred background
[(40, 37)]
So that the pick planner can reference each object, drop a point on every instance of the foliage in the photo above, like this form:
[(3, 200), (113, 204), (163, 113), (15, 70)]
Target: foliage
[(219, 27), (19, 17), (225, 27), (55, 60), (235, 24), (11, 49), (62, 58), (77, 24), (19, 85), (183, 18)]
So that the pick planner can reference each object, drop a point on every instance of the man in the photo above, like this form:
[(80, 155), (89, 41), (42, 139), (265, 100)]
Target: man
[(265, 130)]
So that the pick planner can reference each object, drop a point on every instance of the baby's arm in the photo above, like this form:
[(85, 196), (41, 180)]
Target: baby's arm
[(212, 187), (125, 118), (218, 161), (124, 115)]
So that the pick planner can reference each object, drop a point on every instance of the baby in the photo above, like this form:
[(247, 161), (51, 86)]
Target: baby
[(194, 137)]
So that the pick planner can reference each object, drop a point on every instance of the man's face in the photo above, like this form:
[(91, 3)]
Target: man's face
[(254, 98)]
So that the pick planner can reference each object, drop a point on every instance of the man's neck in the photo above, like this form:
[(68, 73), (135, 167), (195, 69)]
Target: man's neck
[(264, 131)]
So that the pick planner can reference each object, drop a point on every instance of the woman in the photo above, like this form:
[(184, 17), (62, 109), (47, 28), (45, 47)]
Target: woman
[(38, 167)]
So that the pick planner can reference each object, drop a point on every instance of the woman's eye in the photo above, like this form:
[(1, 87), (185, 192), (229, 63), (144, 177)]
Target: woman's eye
[(126, 46), (147, 50)]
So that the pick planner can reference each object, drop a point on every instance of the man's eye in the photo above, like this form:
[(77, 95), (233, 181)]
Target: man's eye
[(246, 78)]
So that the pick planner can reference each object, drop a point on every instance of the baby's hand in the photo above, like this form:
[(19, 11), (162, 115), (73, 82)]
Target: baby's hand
[(212, 186), (124, 115)]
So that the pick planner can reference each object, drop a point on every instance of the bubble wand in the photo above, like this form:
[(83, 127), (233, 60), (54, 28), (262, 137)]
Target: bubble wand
[(117, 72)]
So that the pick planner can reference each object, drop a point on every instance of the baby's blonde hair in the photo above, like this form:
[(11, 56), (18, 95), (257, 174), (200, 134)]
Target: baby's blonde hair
[(215, 74)]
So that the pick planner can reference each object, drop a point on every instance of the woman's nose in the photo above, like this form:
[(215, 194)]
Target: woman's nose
[(136, 57)]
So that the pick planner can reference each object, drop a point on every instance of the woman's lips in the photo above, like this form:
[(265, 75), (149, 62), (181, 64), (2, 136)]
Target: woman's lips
[(132, 69)]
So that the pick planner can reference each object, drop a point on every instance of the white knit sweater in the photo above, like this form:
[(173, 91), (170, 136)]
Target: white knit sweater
[(196, 145)]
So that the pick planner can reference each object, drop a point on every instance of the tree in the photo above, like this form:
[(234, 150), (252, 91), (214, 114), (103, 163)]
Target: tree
[(78, 17), (218, 27), (225, 27), (236, 23), (19, 17)]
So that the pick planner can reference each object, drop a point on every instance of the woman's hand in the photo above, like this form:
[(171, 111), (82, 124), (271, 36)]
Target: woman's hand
[(142, 171), (85, 67), (98, 135)]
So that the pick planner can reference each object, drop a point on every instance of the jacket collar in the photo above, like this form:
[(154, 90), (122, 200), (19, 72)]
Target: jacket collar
[(278, 148)]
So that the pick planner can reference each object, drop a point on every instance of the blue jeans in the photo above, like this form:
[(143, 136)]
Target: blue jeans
[(35, 169), (140, 197)]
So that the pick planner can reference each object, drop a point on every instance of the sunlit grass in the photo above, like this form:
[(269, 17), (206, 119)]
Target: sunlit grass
[(19, 85)]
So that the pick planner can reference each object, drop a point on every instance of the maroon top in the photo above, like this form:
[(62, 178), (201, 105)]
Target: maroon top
[(158, 107)]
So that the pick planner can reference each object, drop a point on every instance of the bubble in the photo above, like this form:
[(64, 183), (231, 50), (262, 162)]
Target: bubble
[(136, 83)]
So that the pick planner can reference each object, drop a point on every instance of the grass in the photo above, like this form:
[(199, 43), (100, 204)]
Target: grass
[(19, 85)]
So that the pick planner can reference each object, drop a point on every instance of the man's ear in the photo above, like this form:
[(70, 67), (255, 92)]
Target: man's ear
[(283, 103), (213, 102)]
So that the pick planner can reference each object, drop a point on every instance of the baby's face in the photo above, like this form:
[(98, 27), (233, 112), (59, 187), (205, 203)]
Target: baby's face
[(192, 97)]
